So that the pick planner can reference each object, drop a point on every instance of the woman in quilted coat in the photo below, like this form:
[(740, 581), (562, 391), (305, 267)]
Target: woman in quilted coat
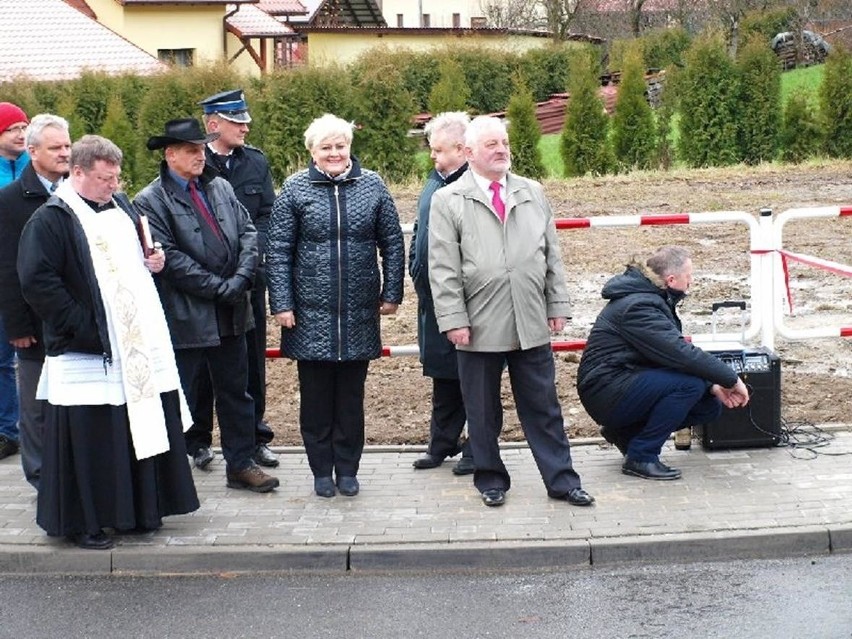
[(335, 263)]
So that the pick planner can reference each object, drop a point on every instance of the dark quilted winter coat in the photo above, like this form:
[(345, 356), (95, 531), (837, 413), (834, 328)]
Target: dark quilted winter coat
[(322, 263)]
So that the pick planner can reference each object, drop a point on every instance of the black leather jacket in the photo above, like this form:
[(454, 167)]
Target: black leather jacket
[(190, 285)]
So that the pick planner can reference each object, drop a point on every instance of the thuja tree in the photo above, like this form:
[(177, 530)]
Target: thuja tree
[(583, 145), (759, 104), (167, 98), (288, 103), (384, 114), (450, 92), (118, 128), (488, 74), (664, 155), (708, 91), (524, 133), (835, 97), (633, 127), (801, 133), (91, 94)]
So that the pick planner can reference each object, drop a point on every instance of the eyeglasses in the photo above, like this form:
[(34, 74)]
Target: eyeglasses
[(21, 128)]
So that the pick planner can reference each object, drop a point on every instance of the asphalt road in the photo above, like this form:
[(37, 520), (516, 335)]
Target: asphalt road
[(809, 598)]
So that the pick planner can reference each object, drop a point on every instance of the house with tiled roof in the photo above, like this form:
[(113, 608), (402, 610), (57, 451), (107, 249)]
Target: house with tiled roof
[(339, 31), (50, 40), (191, 32)]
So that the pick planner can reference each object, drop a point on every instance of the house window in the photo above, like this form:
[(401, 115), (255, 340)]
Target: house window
[(176, 57), (478, 23), (456, 20), (399, 21), (425, 20)]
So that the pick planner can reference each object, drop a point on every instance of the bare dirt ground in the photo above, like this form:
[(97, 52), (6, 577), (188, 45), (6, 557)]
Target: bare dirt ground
[(816, 374)]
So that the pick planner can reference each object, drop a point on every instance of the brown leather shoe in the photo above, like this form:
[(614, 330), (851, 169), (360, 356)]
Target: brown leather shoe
[(253, 479), (683, 438)]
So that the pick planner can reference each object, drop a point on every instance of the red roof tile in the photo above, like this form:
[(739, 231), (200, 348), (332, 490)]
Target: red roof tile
[(181, 2), (83, 8), (282, 7), (251, 22), (50, 40)]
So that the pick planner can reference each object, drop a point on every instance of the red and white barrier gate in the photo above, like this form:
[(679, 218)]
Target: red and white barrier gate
[(761, 267), (781, 258)]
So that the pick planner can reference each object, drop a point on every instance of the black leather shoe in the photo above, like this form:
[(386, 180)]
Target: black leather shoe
[(98, 541), (324, 486), (7, 447), (649, 470), (348, 486), (579, 497), (464, 466), (202, 457), (427, 461), (265, 457), (494, 497)]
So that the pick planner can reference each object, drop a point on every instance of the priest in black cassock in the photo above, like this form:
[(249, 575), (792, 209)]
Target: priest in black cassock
[(114, 455)]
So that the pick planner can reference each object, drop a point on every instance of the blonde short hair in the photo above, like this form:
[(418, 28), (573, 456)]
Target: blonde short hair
[(327, 126)]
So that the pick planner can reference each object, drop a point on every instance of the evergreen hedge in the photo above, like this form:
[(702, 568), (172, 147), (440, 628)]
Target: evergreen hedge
[(584, 144), (524, 133), (383, 111), (708, 90), (801, 133), (450, 92), (759, 104), (634, 134), (836, 104)]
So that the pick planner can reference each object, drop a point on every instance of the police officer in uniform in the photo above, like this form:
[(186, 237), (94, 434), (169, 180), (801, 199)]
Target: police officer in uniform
[(246, 168)]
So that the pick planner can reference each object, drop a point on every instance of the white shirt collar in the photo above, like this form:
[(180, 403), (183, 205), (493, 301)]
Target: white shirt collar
[(485, 184)]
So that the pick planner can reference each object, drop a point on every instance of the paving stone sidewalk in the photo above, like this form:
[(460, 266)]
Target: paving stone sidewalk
[(729, 504)]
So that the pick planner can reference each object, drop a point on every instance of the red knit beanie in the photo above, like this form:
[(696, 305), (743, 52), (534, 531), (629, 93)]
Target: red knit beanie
[(11, 114)]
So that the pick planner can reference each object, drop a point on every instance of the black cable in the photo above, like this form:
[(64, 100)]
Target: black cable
[(799, 436)]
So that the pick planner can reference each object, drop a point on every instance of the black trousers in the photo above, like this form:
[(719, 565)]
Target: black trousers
[(201, 432), (225, 366), (533, 376), (448, 419), (331, 415)]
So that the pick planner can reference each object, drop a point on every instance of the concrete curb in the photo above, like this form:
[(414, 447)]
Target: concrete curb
[(431, 557)]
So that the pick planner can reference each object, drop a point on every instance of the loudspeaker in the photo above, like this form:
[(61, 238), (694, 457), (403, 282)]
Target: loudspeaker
[(759, 423)]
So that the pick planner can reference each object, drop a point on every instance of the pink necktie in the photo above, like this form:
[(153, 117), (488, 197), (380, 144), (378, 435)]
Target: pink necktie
[(497, 201), (205, 212)]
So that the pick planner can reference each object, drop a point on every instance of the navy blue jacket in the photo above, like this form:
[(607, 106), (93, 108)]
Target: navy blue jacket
[(322, 263), (638, 330), (437, 353)]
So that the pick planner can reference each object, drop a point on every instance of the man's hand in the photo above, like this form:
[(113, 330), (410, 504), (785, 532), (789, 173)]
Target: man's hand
[(388, 308), (556, 324), (23, 342), (231, 290), (156, 261), (734, 397), (459, 336), (287, 319)]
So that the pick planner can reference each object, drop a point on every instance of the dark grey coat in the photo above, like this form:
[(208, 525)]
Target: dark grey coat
[(322, 263)]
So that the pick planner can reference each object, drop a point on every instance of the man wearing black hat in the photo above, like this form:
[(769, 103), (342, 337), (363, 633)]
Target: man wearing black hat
[(246, 168), (211, 258)]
